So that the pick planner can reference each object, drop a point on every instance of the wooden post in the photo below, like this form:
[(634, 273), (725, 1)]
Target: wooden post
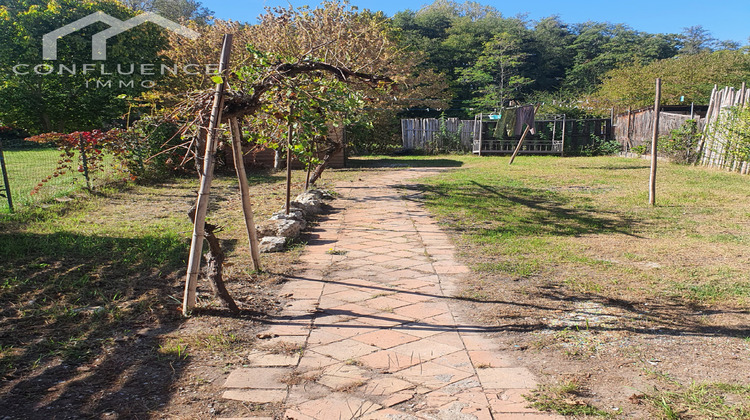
[(523, 137), (654, 141), (563, 136), (480, 134), (247, 207), (704, 134), (742, 95), (288, 169), (520, 143), (307, 177), (196, 245), (627, 132)]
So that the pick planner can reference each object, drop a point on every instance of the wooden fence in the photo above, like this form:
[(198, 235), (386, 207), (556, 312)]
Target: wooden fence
[(636, 128), (423, 133), (717, 147)]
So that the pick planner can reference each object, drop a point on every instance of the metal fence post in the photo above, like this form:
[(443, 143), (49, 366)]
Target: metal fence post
[(6, 184), (84, 161)]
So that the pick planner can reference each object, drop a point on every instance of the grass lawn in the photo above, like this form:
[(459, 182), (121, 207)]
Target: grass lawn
[(582, 275), (90, 302)]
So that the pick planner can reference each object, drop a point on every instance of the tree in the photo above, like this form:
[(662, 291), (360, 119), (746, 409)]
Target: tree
[(42, 96), (696, 39), (495, 74), (689, 76), (550, 55), (601, 47), (175, 10)]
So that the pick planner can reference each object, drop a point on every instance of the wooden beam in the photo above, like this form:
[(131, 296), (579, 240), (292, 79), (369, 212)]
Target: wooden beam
[(196, 244), (247, 207), (654, 143), (289, 169)]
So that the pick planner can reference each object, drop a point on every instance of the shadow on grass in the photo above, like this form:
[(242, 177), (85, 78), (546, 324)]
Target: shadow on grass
[(417, 162), (664, 318), (509, 211), (82, 318)]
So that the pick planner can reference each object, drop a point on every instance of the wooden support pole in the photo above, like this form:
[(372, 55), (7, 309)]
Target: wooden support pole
[(523, 137), (247, 207), (196, 245), (562, 153), (742, 95), (288, 169), (480, 134), (520, 143), (654, 142), (627, 129)]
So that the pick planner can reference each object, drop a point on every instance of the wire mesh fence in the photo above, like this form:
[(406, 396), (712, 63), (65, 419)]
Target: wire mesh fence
[(29, 173)]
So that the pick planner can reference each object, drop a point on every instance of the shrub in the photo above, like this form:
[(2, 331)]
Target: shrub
[(641, 149), (445, 141), (682, 144), (153, 148), (601, 147)]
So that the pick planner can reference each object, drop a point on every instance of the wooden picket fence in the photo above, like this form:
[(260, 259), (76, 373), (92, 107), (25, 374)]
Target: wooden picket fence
[(718, 149), (635, 128), (422, 133)]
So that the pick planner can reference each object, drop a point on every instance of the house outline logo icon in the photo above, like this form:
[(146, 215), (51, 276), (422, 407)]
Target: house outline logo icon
[(99, 40)]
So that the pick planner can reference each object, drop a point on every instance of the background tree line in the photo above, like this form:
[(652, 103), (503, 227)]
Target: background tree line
[(456, 58), (490, 60)]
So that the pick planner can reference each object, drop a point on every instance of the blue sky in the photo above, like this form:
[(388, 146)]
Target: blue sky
[(725, 19)]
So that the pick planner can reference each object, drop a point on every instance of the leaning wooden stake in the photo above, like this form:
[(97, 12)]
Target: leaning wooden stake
[(247, 207), (196, 245), (523, 137), (654, 141)]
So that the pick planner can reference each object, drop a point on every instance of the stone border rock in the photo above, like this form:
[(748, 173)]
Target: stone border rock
[(282, 228)]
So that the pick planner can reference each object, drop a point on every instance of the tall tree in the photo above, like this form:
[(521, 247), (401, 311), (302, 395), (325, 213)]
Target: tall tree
[(550, 54), (495, 75), (601, 47), (696, 39)]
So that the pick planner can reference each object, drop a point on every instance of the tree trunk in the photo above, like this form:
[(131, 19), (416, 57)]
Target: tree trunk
[(214, 270), (323, 165)]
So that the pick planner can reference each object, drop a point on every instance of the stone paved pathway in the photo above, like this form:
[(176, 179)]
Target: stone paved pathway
[(381, 337)]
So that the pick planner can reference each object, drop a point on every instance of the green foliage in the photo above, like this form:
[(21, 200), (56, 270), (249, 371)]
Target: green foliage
[(445, 141), (733, 128), (153, 148), (601, 147), (682, 143), (701, 400), (496, 72), (601, 47), (380, 133), (60, 101), (641, 149), (490, 59), (692, 76)]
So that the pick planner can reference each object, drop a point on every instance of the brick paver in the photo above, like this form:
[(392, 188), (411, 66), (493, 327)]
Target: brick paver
[(382, 336)]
